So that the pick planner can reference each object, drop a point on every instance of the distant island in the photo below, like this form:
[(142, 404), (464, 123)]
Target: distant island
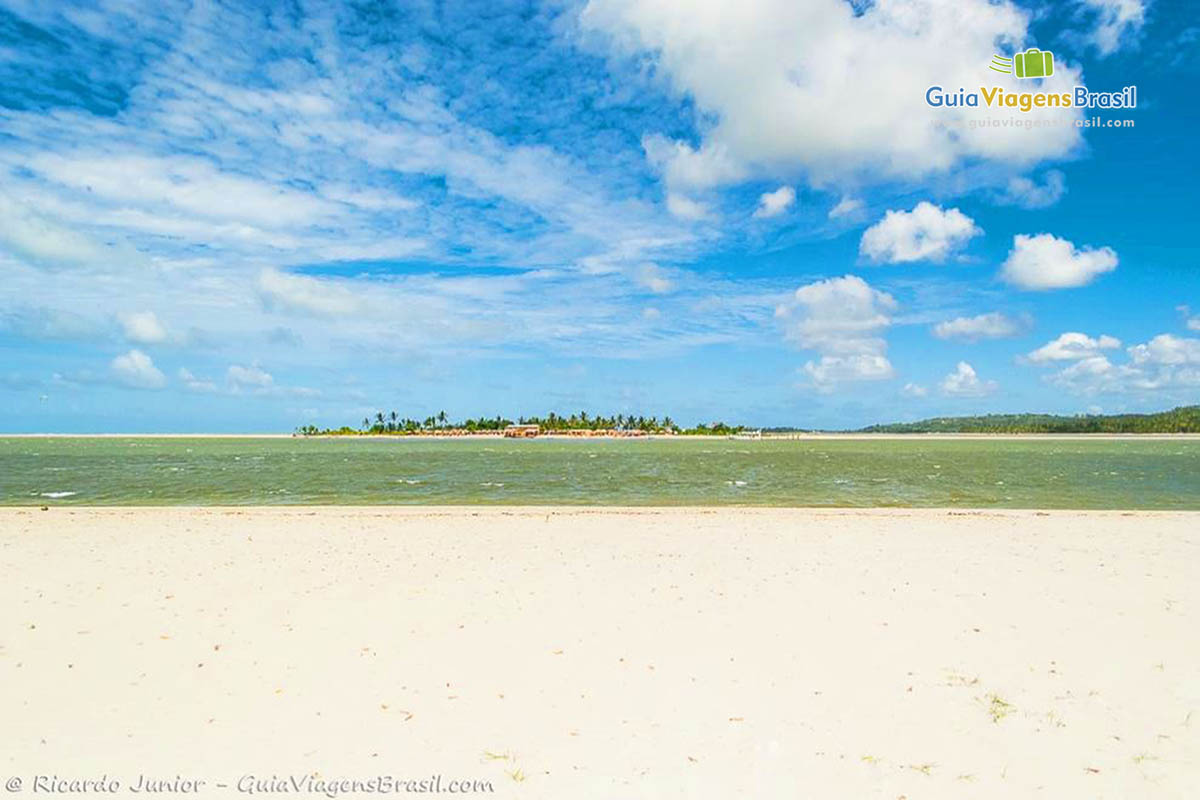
[(580, 424), (1184, 419)]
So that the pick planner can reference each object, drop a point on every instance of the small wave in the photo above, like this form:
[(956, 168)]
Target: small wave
[(57, 495), (410, 482), (736, 483), (491, 483)]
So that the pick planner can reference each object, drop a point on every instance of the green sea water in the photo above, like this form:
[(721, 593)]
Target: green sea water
[(1141, 474)]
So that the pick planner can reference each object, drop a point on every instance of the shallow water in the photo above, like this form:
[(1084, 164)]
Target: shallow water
[(1142, 474)]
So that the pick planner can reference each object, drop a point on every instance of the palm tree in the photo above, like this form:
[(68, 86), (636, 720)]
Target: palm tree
[(442, 417), (366, 423)]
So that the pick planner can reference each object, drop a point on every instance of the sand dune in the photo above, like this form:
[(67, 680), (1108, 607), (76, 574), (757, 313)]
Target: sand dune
[(588, 653)]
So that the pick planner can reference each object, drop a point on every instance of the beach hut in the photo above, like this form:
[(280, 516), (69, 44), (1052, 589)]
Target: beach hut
[(522, 431)]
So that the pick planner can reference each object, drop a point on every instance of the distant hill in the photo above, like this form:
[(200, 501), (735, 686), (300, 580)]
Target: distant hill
[(1185, 419)]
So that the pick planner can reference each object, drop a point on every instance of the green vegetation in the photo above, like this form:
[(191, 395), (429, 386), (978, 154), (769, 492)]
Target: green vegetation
[(1185, 419), (392, 423)]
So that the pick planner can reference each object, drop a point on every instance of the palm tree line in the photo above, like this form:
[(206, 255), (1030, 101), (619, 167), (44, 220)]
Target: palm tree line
[(383, 423)]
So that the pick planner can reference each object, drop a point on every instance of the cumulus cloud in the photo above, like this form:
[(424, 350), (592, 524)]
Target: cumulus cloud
[(1072, 346), (1116, 21), (1093, 375), (842, 319), (964, 382), (136, 370), (305, 294), (142, 327), (1044, 261), (914, 390), (994, 325), (767, 72), (1027, 193), (1167, 349), (1166, 362), (772, 204), (927, 233)]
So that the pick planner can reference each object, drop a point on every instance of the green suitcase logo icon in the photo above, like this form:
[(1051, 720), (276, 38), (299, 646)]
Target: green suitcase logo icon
[(1033, 63)]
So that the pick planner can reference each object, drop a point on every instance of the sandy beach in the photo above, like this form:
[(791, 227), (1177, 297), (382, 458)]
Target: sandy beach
[(606, 653)]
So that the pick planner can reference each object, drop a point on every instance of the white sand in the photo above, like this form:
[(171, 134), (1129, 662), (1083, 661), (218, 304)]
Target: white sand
[(728, 653)]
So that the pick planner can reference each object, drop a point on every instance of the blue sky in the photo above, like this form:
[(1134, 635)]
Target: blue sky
[(223, 216)]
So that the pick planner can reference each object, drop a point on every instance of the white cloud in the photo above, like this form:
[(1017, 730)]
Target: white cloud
[(1044, 261), (685, 207), (963, 382), (1093, 375), (252, 377), (142, 327), (654, 278), (1167, 349), (194, 384), (829, 89), (688, 169), (187, 184), (830, 371), (1072, 346), (305, 294), (772, 204), (842, 319), (845, 207), (994, 325), (38, 239), (914, 390), (368, 198), (1164, 363), (928, 232), (1192, 323), (1026, 193), (1115, 20), (136, 370)]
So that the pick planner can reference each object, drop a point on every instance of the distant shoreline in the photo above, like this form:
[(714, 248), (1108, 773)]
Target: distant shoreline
[(855, 436)]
